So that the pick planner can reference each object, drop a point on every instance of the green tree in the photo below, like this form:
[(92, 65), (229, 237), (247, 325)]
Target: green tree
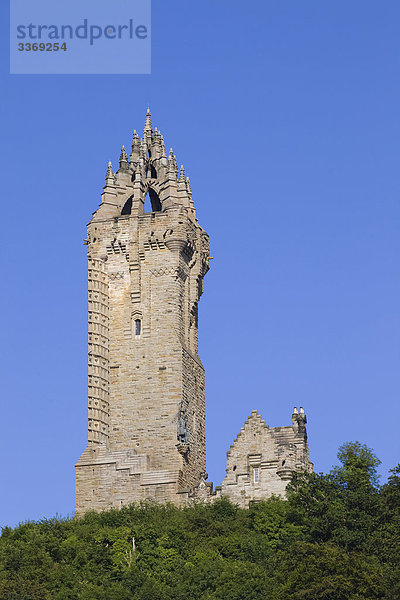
[(336, 538), (385, 541), (327, 572), (342, 506)]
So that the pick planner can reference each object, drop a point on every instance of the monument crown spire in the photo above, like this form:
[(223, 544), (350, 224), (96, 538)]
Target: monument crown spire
[(148, 126)]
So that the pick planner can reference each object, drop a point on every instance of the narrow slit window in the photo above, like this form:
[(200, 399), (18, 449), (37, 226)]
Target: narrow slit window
[(256, 474), (138, 327)]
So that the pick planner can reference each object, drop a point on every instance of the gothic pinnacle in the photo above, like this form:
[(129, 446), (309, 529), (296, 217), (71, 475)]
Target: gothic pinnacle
[(147, 126), (163, 151), (123, 160), (135, 140), (135, 148), (110, 174), (182, 174), (172, 166)]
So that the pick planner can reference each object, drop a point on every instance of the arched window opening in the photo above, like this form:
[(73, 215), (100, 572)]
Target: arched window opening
[(147, 204), (152, 202), (151, 172), (138, 327), (155, 200), (127, 208)]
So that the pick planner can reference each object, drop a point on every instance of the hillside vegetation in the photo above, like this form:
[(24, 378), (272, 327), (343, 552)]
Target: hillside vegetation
[(336, 538)]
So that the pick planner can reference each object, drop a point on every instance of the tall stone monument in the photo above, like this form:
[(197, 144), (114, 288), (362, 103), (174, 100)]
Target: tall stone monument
[(146, 424), (146, 405)]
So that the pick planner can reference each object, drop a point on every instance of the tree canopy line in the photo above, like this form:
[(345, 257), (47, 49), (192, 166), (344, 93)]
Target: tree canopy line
[(336, 537)]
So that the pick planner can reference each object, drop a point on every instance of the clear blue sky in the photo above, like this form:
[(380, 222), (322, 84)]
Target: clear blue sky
[(286, 117)]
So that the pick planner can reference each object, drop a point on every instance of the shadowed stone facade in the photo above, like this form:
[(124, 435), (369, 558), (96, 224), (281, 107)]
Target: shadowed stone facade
[(146, 406), (146, 382)]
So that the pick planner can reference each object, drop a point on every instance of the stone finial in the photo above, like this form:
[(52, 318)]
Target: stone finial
[(148, 126), (299, 421), (123, 160), (189, 193), (135, 147), (109, 174), (183, 193), (295, 411), (135, 139), (175, 164), (172, 163), (163, 151)]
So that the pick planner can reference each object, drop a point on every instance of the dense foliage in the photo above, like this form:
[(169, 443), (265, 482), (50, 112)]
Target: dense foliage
[(337, 537)]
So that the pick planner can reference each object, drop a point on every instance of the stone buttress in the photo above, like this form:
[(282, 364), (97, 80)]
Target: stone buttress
[(146, 423)]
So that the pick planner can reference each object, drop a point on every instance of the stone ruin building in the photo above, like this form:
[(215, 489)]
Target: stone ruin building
[(261, 461), (146, 404)]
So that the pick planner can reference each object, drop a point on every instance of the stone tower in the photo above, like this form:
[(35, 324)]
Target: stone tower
[(146, 420)]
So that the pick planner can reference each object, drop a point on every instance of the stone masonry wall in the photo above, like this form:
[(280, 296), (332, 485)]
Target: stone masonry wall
[(98, 341), (262, 460)]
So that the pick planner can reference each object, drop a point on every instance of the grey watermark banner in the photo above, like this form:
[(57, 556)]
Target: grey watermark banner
[(80, 36)]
